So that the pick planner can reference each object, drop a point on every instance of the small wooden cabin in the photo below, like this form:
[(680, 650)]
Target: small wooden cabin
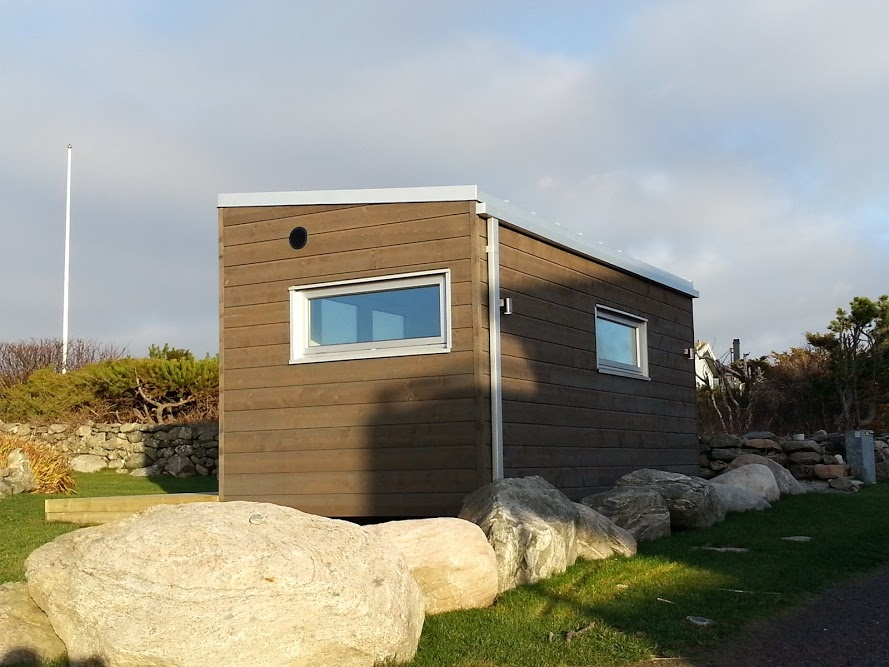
[(385, 352)]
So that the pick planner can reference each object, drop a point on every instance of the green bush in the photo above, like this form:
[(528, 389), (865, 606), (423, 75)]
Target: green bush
[(47, 395)]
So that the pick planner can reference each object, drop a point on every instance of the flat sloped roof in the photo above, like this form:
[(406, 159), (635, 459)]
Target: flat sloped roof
[(488, 206)]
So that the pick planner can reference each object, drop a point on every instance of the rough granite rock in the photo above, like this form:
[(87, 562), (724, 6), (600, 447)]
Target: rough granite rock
[(692, 502), (724, 441), (248, 583), (533, 528), (763, 444), (793, 446), (737, 499), (753, 477), (26, 636), (598, 537), (17, 476), (787, 483), (640, 510), (805, 458), (88, 463), (450, 559), (829, 471), (759, 435)]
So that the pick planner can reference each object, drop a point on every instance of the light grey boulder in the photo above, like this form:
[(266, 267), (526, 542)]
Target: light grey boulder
[(598, 537), (26, 637), (737, 499), (228, 584), (450, 559), (788, 485), (17, 476), (88, 463), (640, 510), (533, 528), (753, 477), (723, 441), (148, 471), (759, 435), (692, 501)]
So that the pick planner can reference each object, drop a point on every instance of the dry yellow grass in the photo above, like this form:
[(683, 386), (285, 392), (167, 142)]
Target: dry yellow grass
[(50, 468)]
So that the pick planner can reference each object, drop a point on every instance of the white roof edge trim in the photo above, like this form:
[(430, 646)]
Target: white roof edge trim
[(371, 196), (553, 233), (494, 207)]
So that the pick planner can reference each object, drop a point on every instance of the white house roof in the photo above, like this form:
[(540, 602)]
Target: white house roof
[(488, 206)]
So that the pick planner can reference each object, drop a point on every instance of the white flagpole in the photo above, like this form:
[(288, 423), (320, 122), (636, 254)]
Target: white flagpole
[(67, 252)]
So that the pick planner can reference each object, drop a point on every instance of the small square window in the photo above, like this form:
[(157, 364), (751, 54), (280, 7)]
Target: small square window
[(373, 317), (621, 343)]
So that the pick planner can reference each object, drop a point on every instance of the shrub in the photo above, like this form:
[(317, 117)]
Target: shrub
[(50, 468), (47, 396), (21, 358)]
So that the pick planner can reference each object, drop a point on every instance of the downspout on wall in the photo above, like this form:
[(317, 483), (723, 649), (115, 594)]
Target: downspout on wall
[(493, 251)]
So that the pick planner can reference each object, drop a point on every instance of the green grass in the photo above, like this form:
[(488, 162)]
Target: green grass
[(22, 524), (637, 607), (632, 609)]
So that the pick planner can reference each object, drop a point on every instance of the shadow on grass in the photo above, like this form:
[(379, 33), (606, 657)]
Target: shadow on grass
[(634, 609)]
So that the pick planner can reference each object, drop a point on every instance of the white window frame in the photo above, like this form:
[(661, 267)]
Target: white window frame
[(300, 319), (638, 370)]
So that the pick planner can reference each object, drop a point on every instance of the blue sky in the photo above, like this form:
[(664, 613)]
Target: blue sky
[(740, 145)]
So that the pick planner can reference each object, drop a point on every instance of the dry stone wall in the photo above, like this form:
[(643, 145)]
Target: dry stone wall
[(180, 450)]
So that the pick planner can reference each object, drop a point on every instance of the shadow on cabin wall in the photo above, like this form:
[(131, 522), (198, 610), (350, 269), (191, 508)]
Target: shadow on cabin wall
[(579, 429)]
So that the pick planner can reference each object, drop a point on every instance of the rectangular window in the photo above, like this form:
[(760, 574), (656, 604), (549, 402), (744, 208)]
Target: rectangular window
[(621, 343), (371, 317)]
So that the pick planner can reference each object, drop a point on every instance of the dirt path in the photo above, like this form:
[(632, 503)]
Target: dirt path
[(848, 626)]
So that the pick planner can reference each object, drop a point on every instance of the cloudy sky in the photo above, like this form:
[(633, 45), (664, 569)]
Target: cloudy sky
[(741, 145)]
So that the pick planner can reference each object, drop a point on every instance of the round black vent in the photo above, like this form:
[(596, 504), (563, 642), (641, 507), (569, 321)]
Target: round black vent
[(298, 238)]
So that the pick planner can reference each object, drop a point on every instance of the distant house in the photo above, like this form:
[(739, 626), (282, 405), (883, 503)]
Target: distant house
[(705, 365), (385, 352)]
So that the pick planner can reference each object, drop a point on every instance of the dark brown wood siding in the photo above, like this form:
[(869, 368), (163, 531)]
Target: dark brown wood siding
[(563, 419), (398, 436)]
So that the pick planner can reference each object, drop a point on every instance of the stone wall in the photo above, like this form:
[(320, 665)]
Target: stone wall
[(818, 456), (180, 450)]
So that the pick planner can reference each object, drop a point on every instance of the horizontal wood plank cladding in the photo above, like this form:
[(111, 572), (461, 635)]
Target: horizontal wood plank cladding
[(587, 378), (338, 220), (395, 390), (529, 391), (537, 350), (364, 505), (271, 355), (565, 263), (376, 437), (359, 370), (626, 457), (520, 412), (251, 214), (352, 460), (318, 268), (575, 308), (327, 243), (369, 414), (534, 435), (271, 292), (446, 480)]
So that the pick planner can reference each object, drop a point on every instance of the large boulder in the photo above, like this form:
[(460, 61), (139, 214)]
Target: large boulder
[(449, 558), (787, 483), (692, 502), (533, 528), (795, 446), (26, 637), (598, 537), (754, 477), (17, 476), (640, 510), (737, 499), (248, 583)]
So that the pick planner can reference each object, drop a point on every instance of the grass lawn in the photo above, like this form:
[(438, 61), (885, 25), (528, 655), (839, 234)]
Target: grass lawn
[(628, 609), (22, 525)]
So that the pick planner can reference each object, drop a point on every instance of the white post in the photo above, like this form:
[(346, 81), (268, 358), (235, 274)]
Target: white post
[(67, 247)]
